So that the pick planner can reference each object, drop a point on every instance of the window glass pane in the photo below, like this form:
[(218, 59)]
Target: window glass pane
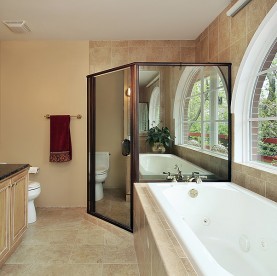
[(219, 82), (268, 95), (207, 136), (266, 141), (222, 138), (222, 105), (194, 134), (223, 133), (207, 115), (196, 89), (194, 109), (207, 84)]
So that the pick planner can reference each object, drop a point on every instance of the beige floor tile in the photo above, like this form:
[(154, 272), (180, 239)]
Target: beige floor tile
[(87, 254), (88, 225), (90, 237), (120, 270), (62, 242), (119, 254), (66, 270), (42, 236), (40, 254), (15, 270), (114, 239)]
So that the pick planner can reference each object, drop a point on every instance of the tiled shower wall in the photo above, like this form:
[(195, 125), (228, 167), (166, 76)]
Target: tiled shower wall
[(224, 40), (108, 54)]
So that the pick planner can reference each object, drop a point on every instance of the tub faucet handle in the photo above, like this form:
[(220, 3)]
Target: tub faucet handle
[(196, 177), (169, 177)]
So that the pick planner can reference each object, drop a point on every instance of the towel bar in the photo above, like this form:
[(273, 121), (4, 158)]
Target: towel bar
[(78, 116)]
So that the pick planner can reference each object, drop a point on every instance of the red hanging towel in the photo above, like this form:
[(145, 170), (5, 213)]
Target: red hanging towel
[(60, 140)]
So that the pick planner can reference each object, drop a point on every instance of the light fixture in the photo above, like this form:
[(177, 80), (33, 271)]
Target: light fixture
[(128, 92), (237, 7), (17, 26)]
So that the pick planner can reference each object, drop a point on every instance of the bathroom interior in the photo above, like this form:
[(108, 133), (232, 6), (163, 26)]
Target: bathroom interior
[(77, 77)]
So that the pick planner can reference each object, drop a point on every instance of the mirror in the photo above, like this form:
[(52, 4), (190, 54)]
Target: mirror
[(192, 102)]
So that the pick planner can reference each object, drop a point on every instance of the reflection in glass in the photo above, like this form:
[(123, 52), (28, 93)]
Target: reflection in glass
[(112, 126), (208, 105), (154, 107), (194, 107), (143, 117)]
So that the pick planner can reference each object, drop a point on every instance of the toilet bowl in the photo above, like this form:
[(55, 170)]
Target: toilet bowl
[(33, 192), (101, 173)]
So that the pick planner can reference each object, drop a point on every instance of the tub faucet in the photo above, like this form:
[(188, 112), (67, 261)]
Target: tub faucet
[(170, 177), (196, 177), (179, 176)]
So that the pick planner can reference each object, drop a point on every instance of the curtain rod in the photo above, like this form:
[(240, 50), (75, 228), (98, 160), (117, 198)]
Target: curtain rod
[(78, 116)]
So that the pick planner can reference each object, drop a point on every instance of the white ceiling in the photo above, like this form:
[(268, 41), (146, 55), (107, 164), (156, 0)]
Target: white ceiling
[(110, 19)]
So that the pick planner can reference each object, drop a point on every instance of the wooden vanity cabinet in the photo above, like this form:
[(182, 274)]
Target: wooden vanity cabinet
[(5, 187), (19, 200), (13, 213)]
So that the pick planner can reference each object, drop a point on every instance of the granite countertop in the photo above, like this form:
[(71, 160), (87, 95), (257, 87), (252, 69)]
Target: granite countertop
[(7, 170)]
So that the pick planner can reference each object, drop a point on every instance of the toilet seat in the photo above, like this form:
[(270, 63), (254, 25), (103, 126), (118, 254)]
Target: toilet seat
[(33, 185)]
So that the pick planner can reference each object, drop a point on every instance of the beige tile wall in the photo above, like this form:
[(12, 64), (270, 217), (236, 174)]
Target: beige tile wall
[(216, 165), (108, 54), (225, 40)]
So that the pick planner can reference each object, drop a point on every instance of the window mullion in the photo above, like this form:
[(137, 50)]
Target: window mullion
[(202, 111)]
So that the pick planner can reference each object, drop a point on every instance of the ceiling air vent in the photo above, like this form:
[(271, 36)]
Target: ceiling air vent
[(17, 26)]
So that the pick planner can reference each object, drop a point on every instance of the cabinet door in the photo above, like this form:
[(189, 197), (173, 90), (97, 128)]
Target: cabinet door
[(19, 206), (4, 217)]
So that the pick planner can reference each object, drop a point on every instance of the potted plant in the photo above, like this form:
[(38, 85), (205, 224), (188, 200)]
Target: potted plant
[(158, 138)]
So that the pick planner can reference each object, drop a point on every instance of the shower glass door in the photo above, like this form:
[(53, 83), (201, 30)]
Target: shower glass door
[(109, 130)]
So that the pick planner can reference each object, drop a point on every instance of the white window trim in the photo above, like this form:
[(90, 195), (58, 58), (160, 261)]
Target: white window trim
[(249, 68), (183, 84)]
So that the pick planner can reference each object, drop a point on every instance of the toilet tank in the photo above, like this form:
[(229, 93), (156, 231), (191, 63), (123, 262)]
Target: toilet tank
[(102, 160)]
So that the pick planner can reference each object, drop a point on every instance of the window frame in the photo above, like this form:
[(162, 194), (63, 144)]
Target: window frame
[(244, 86), (181, 105)]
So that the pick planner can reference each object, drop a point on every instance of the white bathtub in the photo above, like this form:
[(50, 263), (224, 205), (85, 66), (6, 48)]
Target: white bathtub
[(155, 164), (225, 230)]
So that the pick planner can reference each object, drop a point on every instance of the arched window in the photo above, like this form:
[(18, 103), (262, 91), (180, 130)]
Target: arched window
[(254, 101), (154, 107), (201, 110), (263, 112)]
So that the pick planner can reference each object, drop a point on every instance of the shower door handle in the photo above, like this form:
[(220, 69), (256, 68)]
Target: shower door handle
[(126, 147)]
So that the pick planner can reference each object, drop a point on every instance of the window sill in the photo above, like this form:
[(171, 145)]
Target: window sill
[(261, 167)]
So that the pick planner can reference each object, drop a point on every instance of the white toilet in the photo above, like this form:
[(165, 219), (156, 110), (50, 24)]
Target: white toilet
[(102, 160), (33, 192)]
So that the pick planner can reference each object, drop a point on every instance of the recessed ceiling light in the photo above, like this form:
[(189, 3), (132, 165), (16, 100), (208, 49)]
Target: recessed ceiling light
[(17, 26)]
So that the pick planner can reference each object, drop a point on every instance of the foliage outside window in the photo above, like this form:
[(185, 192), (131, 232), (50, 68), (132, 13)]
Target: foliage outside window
[(263, 117), (206, 111)]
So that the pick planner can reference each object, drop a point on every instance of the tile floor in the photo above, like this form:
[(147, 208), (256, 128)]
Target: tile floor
[(62, 242)]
